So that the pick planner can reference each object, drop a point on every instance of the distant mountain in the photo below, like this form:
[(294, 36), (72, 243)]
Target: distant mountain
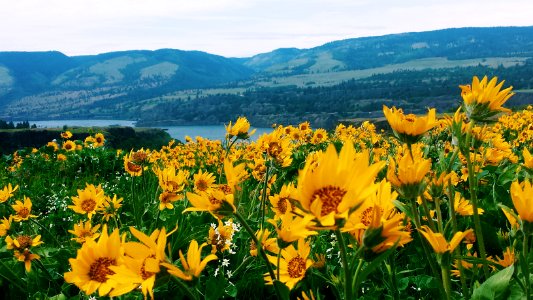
[(137, 84), (372, 52), (30, 73)]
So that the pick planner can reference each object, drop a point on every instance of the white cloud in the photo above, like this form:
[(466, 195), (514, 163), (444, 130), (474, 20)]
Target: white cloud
[(232, 27)]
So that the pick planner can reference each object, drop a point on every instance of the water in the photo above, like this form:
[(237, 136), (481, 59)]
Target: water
[(82, 123), (212, 132)]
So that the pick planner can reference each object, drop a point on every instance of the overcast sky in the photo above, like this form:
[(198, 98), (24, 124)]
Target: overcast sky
[(233, 28)]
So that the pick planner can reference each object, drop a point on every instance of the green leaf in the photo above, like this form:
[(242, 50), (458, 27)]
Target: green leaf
[(231, 290), (214, 287), (376, 262), (282, 288), (496, 287), (517, 293), (58, 297)]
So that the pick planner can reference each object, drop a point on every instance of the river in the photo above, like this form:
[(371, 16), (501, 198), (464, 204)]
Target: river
[(212, 132)]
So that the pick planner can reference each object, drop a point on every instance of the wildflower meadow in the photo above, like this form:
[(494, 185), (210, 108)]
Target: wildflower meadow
[(439, 207)]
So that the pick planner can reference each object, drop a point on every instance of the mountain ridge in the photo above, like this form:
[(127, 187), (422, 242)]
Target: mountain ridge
[(126, 84)]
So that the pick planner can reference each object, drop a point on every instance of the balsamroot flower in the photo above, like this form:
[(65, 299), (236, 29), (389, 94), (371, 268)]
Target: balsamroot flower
[(88, 201), (337, 185), (91, 268), (293, 228), (407, 171), (23, 210), (26, 256), (141, 262), (293, 264), (522, 196), (84, 232), (66, 135), (409, 128), (463, 206), (239, 129), (439, 243), (484, 99), (377, 223), (193, 265), (7, 192)]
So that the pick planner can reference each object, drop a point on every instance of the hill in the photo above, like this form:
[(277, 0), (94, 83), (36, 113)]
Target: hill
[(190, 87)]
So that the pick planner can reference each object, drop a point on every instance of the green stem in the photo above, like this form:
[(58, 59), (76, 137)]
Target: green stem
[(392, 274), (347, 274), (525, 248), (451, 192), (452, 160), (428, 214), (427, 252), (133, 199), (445, 270), (187, 290), (264, 195), (277, 265), (46, 230), (439, 214), (472, 180), (13, 282), (260, 249), (242, 265), (157, 218), (357, 271)]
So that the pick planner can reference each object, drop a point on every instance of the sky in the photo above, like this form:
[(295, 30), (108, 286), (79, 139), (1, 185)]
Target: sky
[(233, 28)]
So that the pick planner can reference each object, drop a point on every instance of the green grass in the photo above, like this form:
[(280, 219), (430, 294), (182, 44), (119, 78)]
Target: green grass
[(164, 69), (5, 78), (332, 78)]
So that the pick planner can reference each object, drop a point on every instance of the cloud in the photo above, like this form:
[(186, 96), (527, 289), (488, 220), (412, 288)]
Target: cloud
[(233, 27)]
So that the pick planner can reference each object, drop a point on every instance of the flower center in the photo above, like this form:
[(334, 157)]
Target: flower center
[(282, 205), (330, 196), (173, 185), (366, 216), (139, 156), (88, 205), (274, 149), (253, 246), (225, 188), (133, 167), (85, 233), (23, 212), (167, 198), (214, 200), (296, 267), (410, 118), (100, 269), (201, 185), (24, 241)]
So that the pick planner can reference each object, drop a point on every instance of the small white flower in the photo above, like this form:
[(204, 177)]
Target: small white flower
[(229, 273), (225, 262)]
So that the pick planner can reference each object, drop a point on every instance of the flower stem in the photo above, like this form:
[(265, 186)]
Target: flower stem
[(525, 248), (453, 217), (427, 253), (345, 266), (264, 195), (46, 230), (187, 290), (472, 181), (445, 271), (260, 249)]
